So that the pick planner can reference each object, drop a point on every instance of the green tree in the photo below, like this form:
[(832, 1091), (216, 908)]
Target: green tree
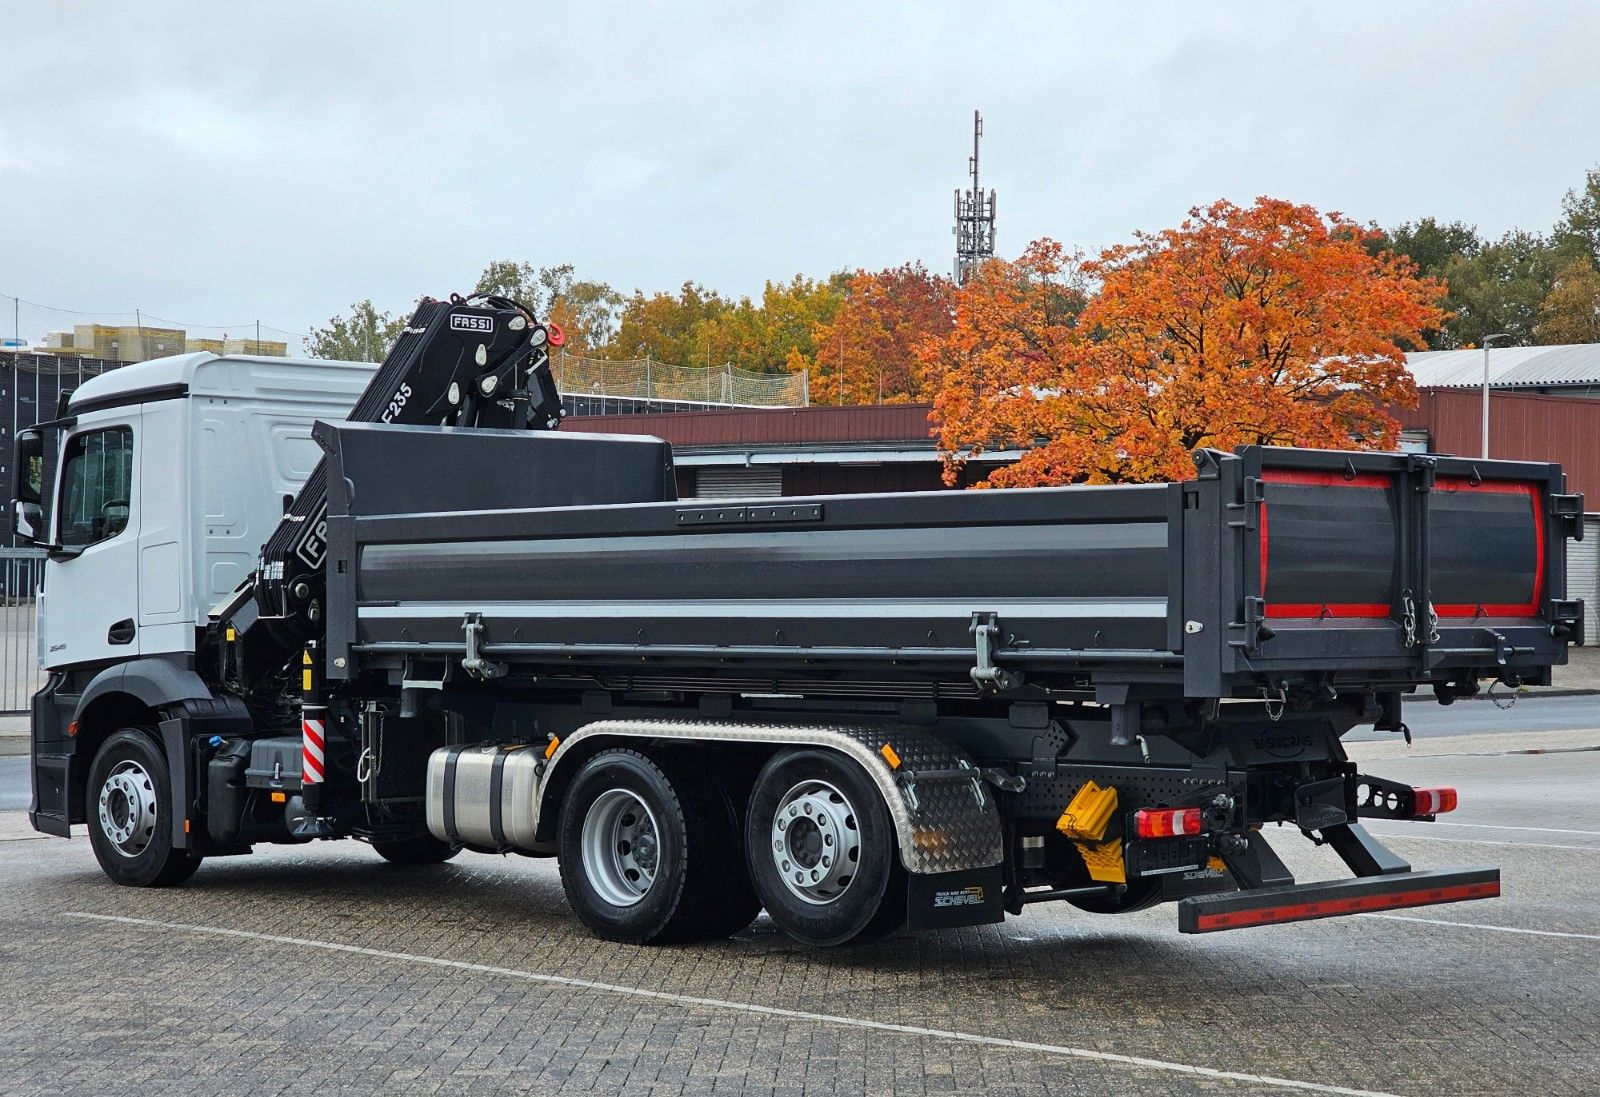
[(1432, 246), (585, 311), (1499, 289), (1570, 312), (363, 336), (1578, 231)]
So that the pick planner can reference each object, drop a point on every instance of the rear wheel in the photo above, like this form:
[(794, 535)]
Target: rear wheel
[(130, 814), (822, 850), (419, 849), (649, 852)]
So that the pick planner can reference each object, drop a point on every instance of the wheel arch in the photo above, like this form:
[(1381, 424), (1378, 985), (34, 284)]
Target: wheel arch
[(941, 824), (129, 695)]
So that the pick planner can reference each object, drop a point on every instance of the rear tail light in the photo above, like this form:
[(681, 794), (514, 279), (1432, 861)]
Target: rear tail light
[(1432, 801), (1168, 822)]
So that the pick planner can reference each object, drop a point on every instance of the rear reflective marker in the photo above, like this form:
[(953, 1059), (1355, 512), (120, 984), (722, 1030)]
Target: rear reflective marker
[(1168, 823), (1433, 801), (1329, 908), (1332, 898)]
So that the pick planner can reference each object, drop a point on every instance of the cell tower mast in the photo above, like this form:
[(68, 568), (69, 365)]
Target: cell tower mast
[(974, 229)]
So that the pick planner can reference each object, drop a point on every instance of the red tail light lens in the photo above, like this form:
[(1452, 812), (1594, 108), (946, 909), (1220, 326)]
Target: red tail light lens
[(1433, 801), (1168, 822)]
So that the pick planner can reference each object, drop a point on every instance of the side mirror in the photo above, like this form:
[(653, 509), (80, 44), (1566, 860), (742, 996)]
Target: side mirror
[(27, 521), (27, 495)]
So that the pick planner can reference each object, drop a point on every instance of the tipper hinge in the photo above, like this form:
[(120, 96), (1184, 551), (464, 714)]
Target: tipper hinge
[(473, 662), (1424, 471), (986, 639)]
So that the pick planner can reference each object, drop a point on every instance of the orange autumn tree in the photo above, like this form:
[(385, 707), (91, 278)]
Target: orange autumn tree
[(1265, 325), (866, 351)]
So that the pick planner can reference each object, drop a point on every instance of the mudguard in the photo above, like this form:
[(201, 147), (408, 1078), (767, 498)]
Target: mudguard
[(943, 812), (152, 681)]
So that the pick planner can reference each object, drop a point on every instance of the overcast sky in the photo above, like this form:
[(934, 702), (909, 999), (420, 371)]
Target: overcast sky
[(217, 163)]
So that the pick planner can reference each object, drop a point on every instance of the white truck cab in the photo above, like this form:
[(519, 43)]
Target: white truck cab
[(170, 476)]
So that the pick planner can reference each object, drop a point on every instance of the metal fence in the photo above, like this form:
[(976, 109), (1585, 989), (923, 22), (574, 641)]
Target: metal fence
[(645, 378), (21, 573)]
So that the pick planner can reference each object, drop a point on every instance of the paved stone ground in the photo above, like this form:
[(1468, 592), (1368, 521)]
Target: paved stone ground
[(458, 990)]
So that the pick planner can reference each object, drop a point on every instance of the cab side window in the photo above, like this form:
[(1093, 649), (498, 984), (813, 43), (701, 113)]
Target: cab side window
[(96, 486)]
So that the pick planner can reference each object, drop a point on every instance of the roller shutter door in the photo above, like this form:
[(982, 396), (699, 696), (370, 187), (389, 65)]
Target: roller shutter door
[(1583, 575), (738, 482)]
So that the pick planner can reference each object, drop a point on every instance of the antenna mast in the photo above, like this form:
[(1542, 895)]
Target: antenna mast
[(974, 229)]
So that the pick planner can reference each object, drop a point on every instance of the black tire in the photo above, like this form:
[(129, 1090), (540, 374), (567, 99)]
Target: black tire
[(130, 823), (1137, 896), (419, 849), (688, 881), (864, 907)]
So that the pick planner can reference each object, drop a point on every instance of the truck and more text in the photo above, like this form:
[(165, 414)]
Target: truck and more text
[(288, 601)]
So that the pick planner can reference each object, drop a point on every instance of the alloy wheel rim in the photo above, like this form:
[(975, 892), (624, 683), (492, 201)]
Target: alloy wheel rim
[(127, 809), (621, 847), (815, 842)]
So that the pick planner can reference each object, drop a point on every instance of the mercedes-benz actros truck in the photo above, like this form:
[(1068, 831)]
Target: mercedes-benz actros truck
[(290, 601)]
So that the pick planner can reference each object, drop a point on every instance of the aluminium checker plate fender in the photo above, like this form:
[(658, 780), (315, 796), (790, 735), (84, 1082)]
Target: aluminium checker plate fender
[(943, 823)]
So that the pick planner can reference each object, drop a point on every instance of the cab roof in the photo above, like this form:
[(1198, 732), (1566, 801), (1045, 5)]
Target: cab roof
[(235, 375)]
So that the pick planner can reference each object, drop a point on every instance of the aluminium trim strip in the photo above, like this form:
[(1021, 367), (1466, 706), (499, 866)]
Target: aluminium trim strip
[(1152, 608)]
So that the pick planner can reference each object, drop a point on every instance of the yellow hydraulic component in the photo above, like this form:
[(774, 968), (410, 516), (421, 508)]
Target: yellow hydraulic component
[(1085, 821), (1088, 813)]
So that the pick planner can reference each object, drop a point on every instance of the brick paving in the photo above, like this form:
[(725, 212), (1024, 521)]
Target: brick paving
[(1386, 1006)]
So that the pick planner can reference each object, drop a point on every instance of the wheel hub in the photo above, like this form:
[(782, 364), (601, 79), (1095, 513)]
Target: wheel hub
[(815, 841), (621, 847), (127, 808)]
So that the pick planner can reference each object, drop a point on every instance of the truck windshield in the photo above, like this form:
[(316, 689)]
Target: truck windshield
[(96, 483)]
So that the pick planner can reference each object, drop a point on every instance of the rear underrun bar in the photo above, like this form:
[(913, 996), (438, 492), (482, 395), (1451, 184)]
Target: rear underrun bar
[(1334, 898)]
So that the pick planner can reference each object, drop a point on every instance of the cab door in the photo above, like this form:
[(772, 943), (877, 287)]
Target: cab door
[(92, 574)]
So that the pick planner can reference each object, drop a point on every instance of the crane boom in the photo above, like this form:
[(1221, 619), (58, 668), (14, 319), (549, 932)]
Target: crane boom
[(480, 361)]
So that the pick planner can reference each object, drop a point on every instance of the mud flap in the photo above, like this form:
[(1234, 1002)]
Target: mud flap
[(946, 900)]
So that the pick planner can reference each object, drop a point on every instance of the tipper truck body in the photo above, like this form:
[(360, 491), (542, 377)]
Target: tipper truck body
[(288, 602)]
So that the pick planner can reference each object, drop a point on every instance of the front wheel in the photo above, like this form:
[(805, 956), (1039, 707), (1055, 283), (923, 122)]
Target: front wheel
[(130, 813), (822, 850)]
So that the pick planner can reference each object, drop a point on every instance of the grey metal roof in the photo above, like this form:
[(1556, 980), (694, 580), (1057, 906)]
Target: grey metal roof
[(1509, 367)]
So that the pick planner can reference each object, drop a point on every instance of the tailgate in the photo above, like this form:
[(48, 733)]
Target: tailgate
[(1376, 567)]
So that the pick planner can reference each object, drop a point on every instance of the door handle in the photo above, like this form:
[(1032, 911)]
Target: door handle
[(121, 632)]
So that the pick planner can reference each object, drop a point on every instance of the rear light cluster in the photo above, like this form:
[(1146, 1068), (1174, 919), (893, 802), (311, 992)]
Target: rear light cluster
[(1169, 822), (1432, 801)]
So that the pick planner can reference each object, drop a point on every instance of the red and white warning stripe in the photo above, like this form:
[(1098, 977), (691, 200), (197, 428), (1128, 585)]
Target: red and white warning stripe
[(312, 733)]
